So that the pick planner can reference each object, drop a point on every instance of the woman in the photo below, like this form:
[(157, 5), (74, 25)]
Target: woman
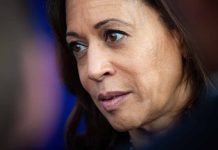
[(131, 66)]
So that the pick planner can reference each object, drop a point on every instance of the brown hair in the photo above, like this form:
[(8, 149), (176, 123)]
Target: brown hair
[(99, 134)]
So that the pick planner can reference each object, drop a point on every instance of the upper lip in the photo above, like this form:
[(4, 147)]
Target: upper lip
[(111, 95)]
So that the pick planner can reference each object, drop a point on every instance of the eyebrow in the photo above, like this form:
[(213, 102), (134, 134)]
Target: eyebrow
[(72, 34), (99, 25)]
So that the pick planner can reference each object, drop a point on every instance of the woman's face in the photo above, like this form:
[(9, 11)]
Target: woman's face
[(128, 61)]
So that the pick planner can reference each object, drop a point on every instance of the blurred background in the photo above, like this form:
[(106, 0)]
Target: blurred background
[(34, 103)]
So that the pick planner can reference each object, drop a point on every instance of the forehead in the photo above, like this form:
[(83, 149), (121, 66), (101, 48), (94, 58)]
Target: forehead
[(93, 3), (92, 11)]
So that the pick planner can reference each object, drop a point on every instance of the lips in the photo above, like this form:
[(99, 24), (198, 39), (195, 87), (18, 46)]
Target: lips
[(112, 100)]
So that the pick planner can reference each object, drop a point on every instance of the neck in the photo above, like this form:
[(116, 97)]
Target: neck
[(139, 137), (142, 136)]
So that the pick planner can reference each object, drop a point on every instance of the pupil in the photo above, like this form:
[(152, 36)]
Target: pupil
[(77, 47), (113, 37)]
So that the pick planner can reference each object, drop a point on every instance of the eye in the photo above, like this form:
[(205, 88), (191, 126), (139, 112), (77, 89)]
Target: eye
[(114, 35), (78, 48)]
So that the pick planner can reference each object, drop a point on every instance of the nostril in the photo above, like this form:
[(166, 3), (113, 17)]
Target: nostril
[(100, 76), (98, 71), (107, 73)]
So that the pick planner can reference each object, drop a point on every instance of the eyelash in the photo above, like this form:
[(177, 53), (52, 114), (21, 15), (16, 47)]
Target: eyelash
[(79, 47), (109, 33)]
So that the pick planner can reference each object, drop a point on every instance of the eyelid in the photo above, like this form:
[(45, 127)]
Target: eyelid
[(80, 52), (76, 42), (109, 32), (115, 30)]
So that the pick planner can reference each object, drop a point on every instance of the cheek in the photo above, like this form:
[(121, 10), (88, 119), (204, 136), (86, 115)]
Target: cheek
[(144, 68), (157, 71)]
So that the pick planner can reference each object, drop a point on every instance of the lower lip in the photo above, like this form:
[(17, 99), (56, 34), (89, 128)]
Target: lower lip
[(113, 104)]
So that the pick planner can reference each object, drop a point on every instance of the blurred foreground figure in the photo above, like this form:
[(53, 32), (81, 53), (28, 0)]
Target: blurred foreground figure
[(29, 90)]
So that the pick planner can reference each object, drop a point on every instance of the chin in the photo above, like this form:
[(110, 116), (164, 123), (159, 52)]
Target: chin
[(124, 125), (124, 121), (121, 128)]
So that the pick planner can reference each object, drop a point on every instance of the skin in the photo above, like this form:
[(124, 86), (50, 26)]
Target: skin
[(146, 60)]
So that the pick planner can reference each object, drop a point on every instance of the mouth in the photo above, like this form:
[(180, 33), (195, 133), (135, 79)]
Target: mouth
[(112, 100)]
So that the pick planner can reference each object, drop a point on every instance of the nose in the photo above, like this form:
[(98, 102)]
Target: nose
[(100, 65)]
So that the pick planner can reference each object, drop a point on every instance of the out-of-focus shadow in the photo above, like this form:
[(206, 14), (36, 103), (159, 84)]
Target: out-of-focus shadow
[(30, 89), (13, 31)]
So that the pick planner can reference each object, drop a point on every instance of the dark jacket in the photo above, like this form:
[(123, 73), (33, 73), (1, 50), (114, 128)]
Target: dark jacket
[(197, 129)]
